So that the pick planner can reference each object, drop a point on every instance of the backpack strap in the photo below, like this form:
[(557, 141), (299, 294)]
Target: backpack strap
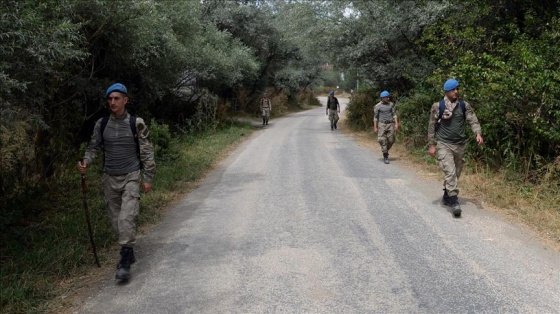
[(104, 122), (133, 128), (442, 108)]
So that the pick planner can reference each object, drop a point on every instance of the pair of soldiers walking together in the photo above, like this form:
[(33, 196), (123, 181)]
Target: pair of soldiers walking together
[(446, 135)]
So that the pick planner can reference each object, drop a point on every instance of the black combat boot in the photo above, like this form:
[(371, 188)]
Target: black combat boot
[(445, 199), (335, 125), (123, 267), (386, 158), (264, 120), (454, 203)]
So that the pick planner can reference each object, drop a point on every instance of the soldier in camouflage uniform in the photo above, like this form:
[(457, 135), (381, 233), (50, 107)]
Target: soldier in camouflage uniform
[(128, 162), (385, 124), (447, 138), (266, 106), (333, 109)]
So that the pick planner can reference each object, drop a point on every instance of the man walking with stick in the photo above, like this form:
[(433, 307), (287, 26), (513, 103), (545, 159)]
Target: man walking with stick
[(129, 159)]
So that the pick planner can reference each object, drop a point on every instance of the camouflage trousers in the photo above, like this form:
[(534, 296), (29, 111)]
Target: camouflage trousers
[(386, 136), (123, 204), (265, 112), (333, 116), (451, 161)]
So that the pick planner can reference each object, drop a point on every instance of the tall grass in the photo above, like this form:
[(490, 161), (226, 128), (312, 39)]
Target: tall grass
[(52, 244)]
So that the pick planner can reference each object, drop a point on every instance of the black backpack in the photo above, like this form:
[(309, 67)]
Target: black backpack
[(442, 109), (332, 103)]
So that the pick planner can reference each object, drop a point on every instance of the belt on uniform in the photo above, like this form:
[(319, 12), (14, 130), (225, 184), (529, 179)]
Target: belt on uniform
[(387, 121)]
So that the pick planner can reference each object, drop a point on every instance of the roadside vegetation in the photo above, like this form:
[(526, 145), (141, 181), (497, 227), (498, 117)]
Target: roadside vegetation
[(53, 245), (503, 54), (193, 67)]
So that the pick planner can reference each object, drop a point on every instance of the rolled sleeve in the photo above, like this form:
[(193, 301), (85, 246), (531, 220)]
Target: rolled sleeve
[(434, 113)]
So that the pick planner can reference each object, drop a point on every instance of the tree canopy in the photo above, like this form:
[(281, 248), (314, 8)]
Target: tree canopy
[(182, 59)]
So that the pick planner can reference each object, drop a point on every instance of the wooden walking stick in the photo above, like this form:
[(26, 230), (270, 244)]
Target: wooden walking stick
[(84, 193)]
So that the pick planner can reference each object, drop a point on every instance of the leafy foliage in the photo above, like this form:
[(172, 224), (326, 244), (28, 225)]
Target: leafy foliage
[(503, 53), (505, 62)]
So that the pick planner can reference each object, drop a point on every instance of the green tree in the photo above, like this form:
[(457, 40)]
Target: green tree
[(503, 53), (40, 55)]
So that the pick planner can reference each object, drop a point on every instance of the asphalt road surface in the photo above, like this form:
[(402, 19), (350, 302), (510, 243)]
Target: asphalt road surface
[(302, 219)]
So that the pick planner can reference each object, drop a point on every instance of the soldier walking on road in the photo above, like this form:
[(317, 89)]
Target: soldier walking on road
[(333, 109), (385, 124), (124, 139), (266, 106), (446, 136)]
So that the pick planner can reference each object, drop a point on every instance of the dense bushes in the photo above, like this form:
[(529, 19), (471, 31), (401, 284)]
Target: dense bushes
[(360, 109), (505, 56), (182, 61)]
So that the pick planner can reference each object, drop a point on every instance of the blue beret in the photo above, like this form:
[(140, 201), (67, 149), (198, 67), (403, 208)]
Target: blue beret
[(450, 84), (384, 94), (117, 87), (331, 93)]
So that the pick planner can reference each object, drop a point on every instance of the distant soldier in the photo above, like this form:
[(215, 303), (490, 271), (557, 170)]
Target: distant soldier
[(266, 107), (446, 135), (124, 139), (385, 124), (333, 109)]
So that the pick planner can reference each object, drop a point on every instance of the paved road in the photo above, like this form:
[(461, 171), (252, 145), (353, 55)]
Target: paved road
[(301, 219)]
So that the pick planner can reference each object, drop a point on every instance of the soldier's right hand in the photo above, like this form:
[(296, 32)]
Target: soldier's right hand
[(82, 167)]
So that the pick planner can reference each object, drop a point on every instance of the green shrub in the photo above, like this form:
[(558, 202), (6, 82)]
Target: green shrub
[(160, 137), (359, 111), (307, 98)]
